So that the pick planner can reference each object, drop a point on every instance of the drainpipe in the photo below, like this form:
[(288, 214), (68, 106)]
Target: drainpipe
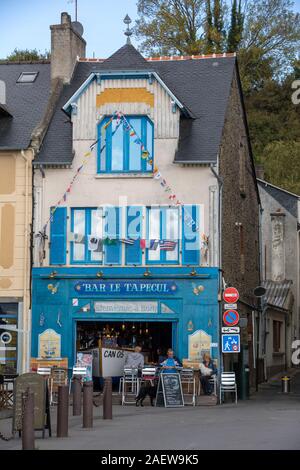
[(220, 202), (26, 320)]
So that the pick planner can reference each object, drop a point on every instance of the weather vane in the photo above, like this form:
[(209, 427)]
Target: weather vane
[(127, 20)]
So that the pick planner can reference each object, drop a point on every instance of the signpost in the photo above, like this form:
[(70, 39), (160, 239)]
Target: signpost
[(231, 343), (169, 391), (231, 318), (231, 295)]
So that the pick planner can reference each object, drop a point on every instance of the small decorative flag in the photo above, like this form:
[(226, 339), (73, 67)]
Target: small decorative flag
[(110, 241), (143, 243), (152, 244), (145, 154), (127, 241), (167, 245)]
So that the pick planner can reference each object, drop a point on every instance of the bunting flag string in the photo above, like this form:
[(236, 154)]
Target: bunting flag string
[(145, 155)]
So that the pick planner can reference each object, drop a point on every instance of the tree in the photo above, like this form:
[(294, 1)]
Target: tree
[(19, 55), (219, 34), (281, 161), (208, 29), (171, 26), (235, 32)]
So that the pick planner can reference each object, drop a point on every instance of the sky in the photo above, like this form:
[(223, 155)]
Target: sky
[(24, 24)]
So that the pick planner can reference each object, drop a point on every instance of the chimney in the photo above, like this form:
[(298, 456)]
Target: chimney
[(260, 173), (278, 246), (67, 44)]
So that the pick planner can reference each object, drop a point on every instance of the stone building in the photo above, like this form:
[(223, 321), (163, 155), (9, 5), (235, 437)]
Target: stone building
[(146, 196), (281, 276)]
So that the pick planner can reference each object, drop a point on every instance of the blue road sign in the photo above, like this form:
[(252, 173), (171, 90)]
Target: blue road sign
[(231, 343)]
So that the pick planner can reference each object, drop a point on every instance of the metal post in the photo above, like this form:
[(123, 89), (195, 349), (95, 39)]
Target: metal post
[(76, 385), (107, 398), (62, 411), (257, 344), (88, 405), (28, 420)]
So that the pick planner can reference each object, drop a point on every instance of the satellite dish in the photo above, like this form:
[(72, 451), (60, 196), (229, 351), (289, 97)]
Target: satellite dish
[(77, 27), (259, 291)]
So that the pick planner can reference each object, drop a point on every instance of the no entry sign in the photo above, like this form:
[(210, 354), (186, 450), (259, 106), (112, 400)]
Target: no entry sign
[(231, 295), (231, 318)]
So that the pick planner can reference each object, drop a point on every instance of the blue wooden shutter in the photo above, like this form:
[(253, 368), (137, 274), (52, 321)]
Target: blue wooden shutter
[(133, 253), (112, 230), (190, 238), (58, 236)]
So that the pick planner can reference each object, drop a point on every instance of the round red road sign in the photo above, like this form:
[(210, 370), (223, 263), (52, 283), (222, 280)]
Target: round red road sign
[(231, 295), (231, 318)]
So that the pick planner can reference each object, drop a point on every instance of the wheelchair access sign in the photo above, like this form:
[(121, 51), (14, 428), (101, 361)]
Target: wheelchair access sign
[(231, 344)]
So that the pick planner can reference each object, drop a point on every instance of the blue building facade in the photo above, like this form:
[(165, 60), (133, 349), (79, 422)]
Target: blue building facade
[(184, 299)]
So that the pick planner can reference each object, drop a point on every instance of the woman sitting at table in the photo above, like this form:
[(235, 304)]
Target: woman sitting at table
[(207, 370), (169, 365)]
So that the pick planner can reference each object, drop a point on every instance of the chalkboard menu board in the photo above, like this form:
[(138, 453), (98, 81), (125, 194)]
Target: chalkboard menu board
[(169, 391), (37, 384)]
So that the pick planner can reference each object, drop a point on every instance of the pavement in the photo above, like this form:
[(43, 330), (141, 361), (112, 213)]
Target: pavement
[(270, 420)]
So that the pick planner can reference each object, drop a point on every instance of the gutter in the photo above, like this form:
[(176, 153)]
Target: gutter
[(220, 198), (26, 278)]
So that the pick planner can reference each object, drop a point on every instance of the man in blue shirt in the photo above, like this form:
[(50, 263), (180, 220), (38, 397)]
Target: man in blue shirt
[(170, 364)]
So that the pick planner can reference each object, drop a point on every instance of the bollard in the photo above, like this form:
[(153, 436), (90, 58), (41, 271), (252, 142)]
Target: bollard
[(28, 420), (76, 385), (107, 398), (285, 384), (87, 405), (62, 411)]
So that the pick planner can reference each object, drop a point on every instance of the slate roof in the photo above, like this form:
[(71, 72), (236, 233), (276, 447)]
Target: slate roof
[(277, 292), (285, 198), (203, 86), (25, 102)]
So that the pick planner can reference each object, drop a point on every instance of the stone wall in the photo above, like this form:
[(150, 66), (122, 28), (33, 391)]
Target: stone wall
[(240, 215)]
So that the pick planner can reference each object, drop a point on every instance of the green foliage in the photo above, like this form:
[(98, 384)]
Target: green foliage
[(19, 55), (274, 129), (281, 161), (235, 32), (266, 36), (170, 26)]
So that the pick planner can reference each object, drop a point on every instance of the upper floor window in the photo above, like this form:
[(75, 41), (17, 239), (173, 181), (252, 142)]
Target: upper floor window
[(163, 235), (125, 146), (87, 229)]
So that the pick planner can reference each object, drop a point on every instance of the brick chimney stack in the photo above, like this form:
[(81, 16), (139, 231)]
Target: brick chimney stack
[(67, 44)]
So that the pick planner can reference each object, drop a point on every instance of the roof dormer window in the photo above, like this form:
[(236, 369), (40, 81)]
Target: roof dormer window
[(27, 77)]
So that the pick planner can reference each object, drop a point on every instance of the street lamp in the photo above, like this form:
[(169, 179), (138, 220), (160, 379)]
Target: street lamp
[(259, 293)]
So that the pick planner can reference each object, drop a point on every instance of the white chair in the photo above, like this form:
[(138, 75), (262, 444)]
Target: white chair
[(228, 384), (80, 372), (148, 374), (129, 385), (188, 382), (45, 371), (213, 381)]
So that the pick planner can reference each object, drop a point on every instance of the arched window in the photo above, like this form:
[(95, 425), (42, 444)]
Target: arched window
[(125, 146)]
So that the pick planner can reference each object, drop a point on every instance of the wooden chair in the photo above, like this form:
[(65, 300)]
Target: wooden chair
[(188, 381), (58, 377), (6, 394)]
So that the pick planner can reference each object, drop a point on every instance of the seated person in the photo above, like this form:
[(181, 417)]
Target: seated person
[(169, 365), (135, 360), (207, 370)]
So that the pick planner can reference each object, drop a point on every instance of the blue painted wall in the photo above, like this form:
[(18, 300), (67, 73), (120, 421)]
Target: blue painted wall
[(202, 309)]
